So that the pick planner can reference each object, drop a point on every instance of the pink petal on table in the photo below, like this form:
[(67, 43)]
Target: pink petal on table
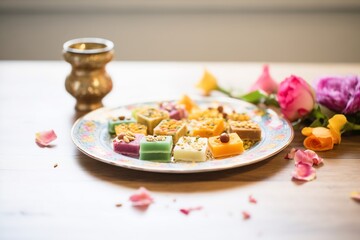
[(355, 195), (45, 138), (307, 157), (141, 198), (315, 158), (304, 172), (187, 211), (252, 199), (291, 154), (246, 215)]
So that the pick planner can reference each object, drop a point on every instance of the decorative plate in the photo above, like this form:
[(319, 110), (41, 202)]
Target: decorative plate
[(91, 136)]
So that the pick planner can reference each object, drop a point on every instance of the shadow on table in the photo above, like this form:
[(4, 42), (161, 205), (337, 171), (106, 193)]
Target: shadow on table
[(192, 182)]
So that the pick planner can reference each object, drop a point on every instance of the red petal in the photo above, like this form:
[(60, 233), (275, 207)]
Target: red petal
[(252, 199), (45, 138), (187, 211), (246, 215), (141, 198), (291, 154), (304, 172)]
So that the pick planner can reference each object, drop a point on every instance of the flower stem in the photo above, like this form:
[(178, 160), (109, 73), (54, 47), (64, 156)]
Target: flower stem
[(224, 91)]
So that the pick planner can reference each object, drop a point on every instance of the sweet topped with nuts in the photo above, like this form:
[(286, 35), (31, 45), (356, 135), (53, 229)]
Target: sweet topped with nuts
[(155, 138), (192, 149), (157, 148), (247, 130), (131, 127), (171, 127), (115, 121), (233, 147), (126, 137), (151, 117), (128, 144), (238, 116), (207, 127)]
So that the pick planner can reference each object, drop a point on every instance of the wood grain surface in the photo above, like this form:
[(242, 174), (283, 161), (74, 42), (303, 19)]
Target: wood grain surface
[(78, 198)]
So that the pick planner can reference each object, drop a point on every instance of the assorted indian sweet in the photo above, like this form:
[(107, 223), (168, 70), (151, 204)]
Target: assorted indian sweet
[(128, 144), (183, 131), (226, 145), (247, 130), (192, 149), (131, 127), (153, 147), (171, 127), (151, 117), (113, 122)]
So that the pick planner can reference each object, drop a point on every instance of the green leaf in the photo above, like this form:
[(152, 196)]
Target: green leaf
[(254, 97)]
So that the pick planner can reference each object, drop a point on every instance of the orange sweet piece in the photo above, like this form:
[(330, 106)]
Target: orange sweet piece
[(218, 149), (208, 127), (188, 103)]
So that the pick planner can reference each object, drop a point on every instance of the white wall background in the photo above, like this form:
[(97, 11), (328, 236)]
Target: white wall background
[(186, 30)]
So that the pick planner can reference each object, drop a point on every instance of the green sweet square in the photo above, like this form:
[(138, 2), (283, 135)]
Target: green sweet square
[(156, 148)]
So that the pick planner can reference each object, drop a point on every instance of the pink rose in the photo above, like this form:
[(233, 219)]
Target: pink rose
[(295, 98), (265, 82)]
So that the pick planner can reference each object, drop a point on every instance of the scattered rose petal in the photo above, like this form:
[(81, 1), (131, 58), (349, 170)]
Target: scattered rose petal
[(304, 172), (141, 198), (45, 138), (291, 154), (187, 211), (308, 157), (246, 215), (252, 199), (355, 195), (315, 158)]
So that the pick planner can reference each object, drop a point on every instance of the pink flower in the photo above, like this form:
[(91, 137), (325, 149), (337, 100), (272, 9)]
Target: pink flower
[(265, 82), (45, 138), (187, 211), (339, 93), (304, 172), (141, 198), (295, 98), (307, 157)]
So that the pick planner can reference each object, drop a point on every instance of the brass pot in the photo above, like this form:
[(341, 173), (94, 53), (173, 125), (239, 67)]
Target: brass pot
[(88, 81)]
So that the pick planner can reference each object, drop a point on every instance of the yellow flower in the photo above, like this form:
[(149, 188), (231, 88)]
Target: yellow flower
[(322, 139), (207, 83), (336, 123)]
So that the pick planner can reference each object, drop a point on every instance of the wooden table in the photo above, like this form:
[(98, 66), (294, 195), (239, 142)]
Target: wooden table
[(77, 199)]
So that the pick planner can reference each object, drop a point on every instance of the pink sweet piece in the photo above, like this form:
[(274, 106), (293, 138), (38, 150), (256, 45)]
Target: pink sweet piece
[(355, 195), (187, 211), (265, 82), (252, 199), (141, 198), (130, 148), (45, 138), (246, 215), (304, 172), (307, 157), (175, 111), (291, 154)]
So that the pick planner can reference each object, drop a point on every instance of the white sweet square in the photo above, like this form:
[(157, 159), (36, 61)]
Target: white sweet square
[(191, 149)]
